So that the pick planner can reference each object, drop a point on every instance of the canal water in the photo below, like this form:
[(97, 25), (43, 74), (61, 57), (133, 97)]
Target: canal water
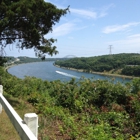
[(47, 71)]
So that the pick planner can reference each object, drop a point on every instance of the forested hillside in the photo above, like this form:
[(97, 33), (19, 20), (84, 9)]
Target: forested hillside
[(126, 64), (23, 59)]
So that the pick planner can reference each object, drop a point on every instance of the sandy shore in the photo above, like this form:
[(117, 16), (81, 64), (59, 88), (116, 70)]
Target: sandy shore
[(100, 73), (7, 67)]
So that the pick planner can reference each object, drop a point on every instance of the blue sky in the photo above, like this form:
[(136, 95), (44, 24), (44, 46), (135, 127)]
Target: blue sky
[(92, 26)]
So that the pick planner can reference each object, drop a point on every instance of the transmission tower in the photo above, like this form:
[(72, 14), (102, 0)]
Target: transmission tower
[(2, 51), (110, 49)]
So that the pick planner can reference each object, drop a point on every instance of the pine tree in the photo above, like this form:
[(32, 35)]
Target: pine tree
[(26, 22)]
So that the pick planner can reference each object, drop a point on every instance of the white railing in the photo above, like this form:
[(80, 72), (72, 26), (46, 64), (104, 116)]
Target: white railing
[(27, 129)]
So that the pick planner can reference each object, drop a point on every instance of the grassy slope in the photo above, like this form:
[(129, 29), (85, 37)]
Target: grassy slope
[(7, 130), (48, 128)]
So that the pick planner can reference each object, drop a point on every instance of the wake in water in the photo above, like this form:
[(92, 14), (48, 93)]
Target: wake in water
[(66, 74)]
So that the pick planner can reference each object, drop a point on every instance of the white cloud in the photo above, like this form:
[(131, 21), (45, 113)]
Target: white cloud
[(116, 28), (134, 36), (132, 40), (91, 14), (131, 44), (66, 28), (105, 9), (84, 13), (63, 29)]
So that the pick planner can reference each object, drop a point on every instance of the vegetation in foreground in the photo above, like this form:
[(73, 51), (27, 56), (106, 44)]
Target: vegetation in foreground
[(93, 110), (123, 64)]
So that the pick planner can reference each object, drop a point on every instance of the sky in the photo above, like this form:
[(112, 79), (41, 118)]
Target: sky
[(93, 28)]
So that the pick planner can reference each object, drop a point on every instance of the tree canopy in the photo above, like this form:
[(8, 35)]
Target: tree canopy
[(26, 22)]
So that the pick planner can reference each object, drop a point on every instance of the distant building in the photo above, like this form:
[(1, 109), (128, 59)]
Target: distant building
[(17, 59)]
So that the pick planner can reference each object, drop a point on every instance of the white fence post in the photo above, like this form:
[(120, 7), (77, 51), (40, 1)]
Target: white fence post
[(1, 92), (31, 119), (26, 132)]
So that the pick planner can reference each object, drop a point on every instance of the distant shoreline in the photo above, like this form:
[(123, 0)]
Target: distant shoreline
[(100, 73), (81, 70), (8, 67)]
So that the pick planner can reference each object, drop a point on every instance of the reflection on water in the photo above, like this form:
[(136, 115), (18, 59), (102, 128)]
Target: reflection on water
[(66, 74)]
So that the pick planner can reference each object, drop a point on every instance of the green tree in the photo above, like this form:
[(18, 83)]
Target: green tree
[(2, 61), (26, 22)]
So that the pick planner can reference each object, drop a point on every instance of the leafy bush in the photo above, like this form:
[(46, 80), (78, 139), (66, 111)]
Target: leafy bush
[(87, 109)]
